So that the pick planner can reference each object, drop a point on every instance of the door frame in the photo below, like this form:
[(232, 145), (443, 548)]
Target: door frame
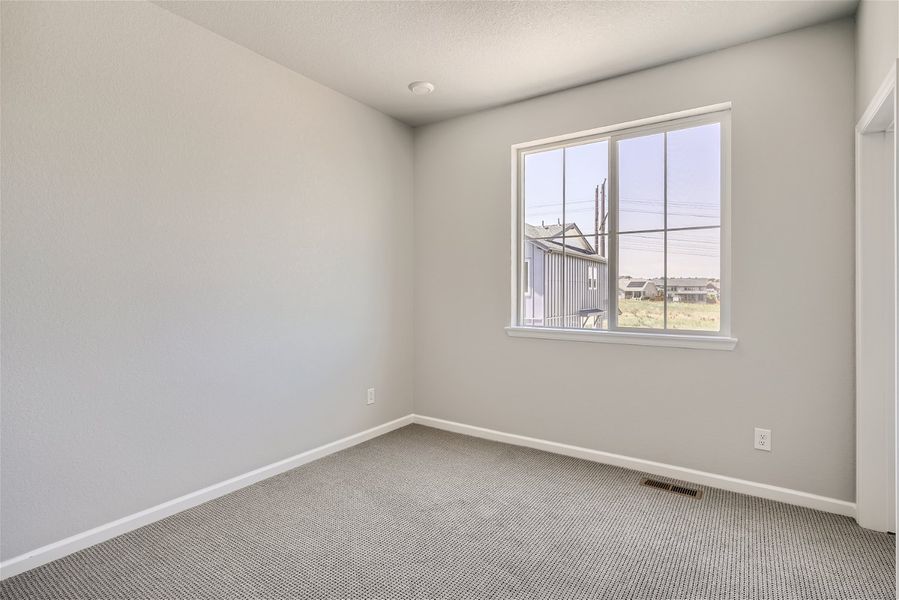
[(876, 228)]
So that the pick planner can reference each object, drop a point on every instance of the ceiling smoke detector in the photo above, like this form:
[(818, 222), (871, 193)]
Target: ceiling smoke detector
[(421, 88)]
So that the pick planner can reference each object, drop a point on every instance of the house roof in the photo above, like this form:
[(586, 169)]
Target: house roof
[(633, 285), (688, 282), (551, 237), (543, 231)]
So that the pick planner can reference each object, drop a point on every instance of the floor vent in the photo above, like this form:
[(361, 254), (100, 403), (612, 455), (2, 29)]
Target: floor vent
[(668, 487)]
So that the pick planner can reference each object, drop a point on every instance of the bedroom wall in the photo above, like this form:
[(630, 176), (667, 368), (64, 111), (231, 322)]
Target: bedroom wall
[(792, 209), (206, 261)]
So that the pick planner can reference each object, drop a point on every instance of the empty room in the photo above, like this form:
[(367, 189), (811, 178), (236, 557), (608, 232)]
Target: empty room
[(448, 299)]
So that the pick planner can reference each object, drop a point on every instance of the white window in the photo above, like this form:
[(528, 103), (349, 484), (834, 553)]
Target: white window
[(526, 274), (641, 205)]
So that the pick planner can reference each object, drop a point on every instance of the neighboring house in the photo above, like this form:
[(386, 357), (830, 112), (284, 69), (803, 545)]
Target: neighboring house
[(637, 289), (691, 289), (556, 255)]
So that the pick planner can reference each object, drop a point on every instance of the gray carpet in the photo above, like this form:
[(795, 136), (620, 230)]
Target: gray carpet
[(420, 513)]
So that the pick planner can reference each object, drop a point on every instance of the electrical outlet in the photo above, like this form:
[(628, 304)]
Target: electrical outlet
[(371, 396), (763, 439)]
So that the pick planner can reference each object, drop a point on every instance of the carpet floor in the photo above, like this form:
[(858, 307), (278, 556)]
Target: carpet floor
[(421, 513)]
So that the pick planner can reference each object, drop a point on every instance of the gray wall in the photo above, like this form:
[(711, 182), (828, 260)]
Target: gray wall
[(206, 261), (877, 47), (792, 222)]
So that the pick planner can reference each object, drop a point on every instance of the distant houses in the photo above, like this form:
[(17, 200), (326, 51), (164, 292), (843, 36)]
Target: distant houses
[(639, 289), (692, 289), (565, 278), (679, 289)]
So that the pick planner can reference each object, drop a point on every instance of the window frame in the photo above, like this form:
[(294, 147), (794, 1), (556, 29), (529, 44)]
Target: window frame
[(717, 113)]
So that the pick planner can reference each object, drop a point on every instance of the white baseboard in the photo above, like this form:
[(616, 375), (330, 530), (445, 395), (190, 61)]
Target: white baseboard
[(732, 484), (50, 552)]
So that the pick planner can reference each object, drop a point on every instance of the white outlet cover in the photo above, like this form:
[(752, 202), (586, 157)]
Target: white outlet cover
[(763, 439), (371, 396)]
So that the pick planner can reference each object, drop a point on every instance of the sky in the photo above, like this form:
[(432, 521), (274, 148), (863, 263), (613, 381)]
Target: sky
[(694, 183)]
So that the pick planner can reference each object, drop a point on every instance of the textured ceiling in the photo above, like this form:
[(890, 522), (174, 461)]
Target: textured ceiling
[(482, 54)]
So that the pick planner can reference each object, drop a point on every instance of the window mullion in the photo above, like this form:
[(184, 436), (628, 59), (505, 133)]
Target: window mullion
[(520, 245), (665, 233), (564, 247), (612, 263)]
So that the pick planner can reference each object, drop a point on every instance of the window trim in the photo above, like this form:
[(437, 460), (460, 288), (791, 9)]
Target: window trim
[(632, 338), (722, 339)]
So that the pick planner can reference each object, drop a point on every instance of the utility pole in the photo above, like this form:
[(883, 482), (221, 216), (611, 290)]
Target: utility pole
[(603, 194), (599, 208), (596, 220)]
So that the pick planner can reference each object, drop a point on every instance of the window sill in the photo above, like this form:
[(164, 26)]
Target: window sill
[(696, 342)]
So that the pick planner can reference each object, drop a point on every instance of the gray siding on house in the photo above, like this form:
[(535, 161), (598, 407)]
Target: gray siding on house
[(533, 300), (561, 294)]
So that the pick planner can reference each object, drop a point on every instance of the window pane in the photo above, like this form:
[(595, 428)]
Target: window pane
[(641, 187), (587, 189), (543, 305), (567, 289), (694, 279), (586, 290), (641, 268), (533, 292), (668, 205), (694, 176), (543, 193)]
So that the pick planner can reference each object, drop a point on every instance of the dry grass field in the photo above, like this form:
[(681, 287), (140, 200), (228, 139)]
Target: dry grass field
[(681, 315)]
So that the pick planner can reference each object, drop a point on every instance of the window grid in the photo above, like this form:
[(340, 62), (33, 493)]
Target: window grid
[(719, 115)]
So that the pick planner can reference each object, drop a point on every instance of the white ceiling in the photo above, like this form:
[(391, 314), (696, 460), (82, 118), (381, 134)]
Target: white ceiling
[(481, 54)]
